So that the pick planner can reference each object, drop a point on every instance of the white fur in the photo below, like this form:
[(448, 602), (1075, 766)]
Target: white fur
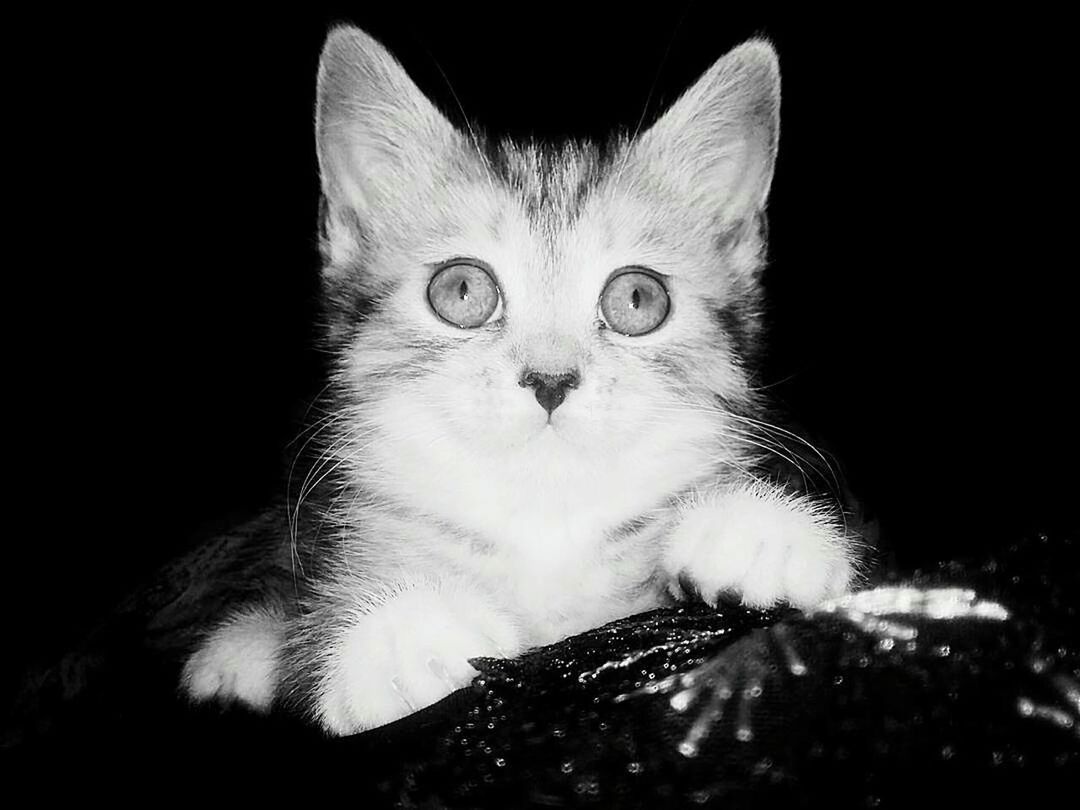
[(409, 653), (238, 661), (762, 545)]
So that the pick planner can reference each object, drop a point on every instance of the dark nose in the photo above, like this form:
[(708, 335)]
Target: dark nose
[(550, 388)]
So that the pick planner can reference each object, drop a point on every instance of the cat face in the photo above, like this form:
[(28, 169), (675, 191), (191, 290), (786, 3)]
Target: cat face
[(542, 328)]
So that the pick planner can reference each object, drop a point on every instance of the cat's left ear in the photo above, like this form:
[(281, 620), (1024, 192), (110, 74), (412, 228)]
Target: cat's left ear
[(378, 137), (717, 144)]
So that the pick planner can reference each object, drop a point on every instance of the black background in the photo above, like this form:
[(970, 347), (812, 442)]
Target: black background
[(162, 265)]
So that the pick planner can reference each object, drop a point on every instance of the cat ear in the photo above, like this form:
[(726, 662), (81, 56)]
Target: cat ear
[(376, 132), (717, 143)]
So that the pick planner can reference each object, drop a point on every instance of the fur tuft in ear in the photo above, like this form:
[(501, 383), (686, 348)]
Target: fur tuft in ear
[(717, 143), (376, 134)]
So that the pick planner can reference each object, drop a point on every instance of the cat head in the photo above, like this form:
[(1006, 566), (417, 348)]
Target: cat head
[(567, 320)]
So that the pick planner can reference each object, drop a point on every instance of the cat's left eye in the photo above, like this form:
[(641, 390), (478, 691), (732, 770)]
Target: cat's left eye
[(463, 295), (634, 303)]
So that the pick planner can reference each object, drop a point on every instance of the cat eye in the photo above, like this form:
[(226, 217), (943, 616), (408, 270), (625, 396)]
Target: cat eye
[(463, 295), (634, 303)]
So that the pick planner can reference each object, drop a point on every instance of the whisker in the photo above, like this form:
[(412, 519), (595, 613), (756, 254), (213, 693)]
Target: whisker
[(756, 433), (468, 123)]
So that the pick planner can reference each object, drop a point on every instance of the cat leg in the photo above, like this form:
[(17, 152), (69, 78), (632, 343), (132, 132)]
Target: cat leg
[(408, 652), (238, 661), (765, 545)]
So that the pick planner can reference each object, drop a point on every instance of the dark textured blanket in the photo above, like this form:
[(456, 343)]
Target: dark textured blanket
[(959, 682)]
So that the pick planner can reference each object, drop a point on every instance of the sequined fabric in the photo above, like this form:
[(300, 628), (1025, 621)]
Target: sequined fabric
[(959, 684)]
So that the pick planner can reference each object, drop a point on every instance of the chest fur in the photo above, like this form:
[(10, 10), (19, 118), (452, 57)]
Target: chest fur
[(559, 576)]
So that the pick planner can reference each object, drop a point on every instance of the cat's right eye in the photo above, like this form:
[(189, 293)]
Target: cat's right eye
[(463, 295), (634, 302)]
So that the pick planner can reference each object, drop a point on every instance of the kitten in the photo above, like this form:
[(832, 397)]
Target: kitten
[(542, 413)]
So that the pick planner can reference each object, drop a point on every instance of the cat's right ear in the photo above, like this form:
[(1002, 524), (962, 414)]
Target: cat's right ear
[(716, 145), (376, 134)]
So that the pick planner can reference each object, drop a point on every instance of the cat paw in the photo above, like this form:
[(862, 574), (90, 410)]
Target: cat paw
[(408, 653), (762, 545), (237, 662)]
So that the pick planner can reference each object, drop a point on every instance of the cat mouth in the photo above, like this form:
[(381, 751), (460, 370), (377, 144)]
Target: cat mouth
[(550, 430), (552, 427)]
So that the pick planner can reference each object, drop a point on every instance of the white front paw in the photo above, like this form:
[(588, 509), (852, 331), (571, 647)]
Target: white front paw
[(408, 653), (763, 545)]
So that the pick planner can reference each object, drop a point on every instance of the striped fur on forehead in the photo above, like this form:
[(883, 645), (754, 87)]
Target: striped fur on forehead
[(552, 181)]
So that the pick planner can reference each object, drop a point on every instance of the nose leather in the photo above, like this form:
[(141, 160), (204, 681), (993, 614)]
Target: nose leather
[(550, 389)]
